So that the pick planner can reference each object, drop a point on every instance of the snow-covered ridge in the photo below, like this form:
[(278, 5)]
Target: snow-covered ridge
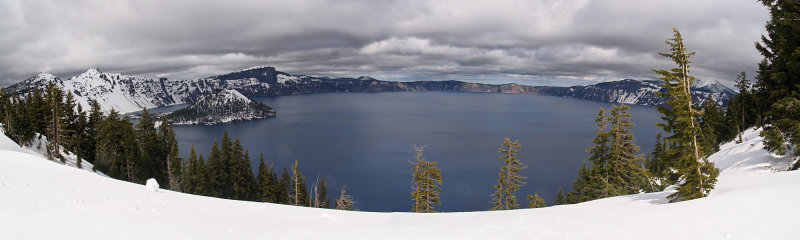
[(41, 199), (131, 93)]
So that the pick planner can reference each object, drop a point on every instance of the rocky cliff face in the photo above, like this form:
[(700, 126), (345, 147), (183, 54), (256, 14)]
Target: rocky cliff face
[(131, 93)]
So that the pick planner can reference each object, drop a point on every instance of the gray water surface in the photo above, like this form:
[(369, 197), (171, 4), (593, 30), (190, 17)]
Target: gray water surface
[(364, 141)]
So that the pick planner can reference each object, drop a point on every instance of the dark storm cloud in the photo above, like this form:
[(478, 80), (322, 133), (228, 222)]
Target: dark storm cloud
[(529, 42)]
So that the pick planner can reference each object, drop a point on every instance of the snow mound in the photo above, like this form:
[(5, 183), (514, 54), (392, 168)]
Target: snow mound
[(152, 185)]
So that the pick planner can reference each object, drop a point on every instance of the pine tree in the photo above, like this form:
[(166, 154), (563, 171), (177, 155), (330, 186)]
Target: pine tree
[(509, 180), (39, 110), (299, 193), (712, 126), (697, 173), (172, 161), (560, 198), (267, 182), (745, 101), (216, 172), (344, 201), (535, 201), (81, 137), (427, 178), (597, 181), (131, 150), (54, 104), (284, 188), (193, 176), (92, 132), (322, 194), (226, 173), (655, 166), (23, 126), (244, 181), (782, 136), (150, 162), (778, 80), (626, 173), (615, 169)]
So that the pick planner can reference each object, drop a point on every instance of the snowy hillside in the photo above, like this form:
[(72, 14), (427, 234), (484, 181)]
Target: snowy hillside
[(40, 199)]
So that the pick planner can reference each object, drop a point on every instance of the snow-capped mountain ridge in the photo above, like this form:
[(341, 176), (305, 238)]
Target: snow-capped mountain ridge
[(126, 93)]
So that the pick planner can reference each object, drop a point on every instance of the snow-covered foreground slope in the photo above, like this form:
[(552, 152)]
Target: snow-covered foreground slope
[(40, 199)]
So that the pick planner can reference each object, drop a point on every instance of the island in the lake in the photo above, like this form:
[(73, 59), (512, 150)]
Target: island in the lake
[(221, 106)]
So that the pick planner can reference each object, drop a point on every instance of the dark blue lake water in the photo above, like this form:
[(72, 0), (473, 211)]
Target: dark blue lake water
[(364, 141)]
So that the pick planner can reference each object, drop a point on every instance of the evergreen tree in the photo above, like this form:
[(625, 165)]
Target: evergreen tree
[(131, 149), (535, 201), (227, 167), (782, 136), (560, 198), (587, 186), (193, 176), (427, 178), (150, 162), (344, 201), (38, 110), (509, 180), (244, 182), (54, 112), (116, 147), (697, 173), (299, 194), (267, 182), (172, 161), (655, 165), (81, 137), (746, 103), (322, 194), (626, 172), (216, 172), (91, 132), (595, 182), (778, 80), (615, 169), (284, 188), (22, 127)]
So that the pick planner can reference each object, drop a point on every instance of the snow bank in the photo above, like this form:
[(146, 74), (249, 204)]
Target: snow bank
[(41, 200)]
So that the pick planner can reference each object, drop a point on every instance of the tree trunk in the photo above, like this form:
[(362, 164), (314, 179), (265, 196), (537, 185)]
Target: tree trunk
[(686, 86)]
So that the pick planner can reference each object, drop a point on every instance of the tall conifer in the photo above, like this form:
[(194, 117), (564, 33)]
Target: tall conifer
[(509, 180), (698, 175), (427, 178)]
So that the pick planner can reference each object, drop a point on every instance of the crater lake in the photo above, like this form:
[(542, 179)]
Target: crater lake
[(364, 142)]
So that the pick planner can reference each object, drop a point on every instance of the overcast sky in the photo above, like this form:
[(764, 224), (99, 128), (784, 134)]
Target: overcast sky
[(533, 42)]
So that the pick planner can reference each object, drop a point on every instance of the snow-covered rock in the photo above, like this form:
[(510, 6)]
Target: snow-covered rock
[(151, 185)]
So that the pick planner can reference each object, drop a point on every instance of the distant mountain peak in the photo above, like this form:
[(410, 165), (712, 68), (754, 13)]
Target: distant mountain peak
[(366, 78)]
